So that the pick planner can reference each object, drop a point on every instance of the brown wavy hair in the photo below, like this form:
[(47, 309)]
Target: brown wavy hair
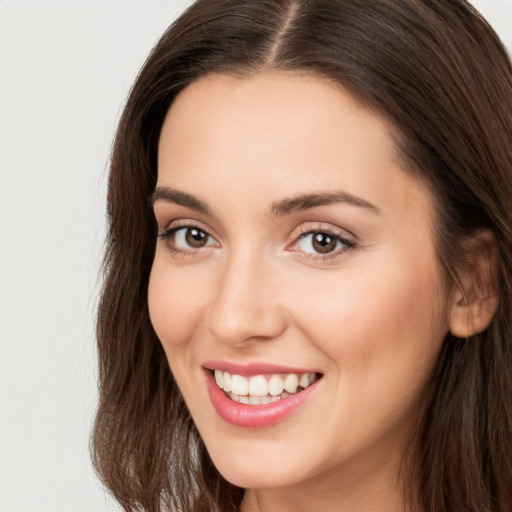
[(439, 74)]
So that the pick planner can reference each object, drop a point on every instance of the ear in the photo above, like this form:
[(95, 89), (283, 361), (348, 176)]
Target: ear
[(475, 296)]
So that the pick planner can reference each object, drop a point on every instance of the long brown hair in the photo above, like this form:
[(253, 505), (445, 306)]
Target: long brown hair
[(439, 74)]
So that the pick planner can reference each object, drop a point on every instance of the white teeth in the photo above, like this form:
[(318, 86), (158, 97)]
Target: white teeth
[(239, 385), (261, 389), (226, 382), (275, 385), (304, 381), (258, 386), (255, 400), (291, 383)]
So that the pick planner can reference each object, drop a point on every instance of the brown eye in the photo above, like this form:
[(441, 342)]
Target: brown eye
[(195, 238), (324, 243), (187, 238)]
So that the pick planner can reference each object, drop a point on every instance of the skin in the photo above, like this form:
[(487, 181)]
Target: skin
[(370, 316)]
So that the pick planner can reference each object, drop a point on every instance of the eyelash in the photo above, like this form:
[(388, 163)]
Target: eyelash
[(347, 244), (169, 233)]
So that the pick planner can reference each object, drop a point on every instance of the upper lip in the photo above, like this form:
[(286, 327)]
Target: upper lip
[(254, 368)]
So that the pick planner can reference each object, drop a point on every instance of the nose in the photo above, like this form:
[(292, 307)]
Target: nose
[(245, 307)]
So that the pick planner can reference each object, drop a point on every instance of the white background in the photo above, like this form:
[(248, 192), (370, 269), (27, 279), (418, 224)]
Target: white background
[(65, 69)]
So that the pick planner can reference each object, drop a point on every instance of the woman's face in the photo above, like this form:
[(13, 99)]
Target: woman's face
[(293, 249)]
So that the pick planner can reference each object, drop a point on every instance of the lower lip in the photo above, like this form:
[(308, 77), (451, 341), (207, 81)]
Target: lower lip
[(255, 416)]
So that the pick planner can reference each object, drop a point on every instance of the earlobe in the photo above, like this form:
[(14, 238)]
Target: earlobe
[(475, 297)]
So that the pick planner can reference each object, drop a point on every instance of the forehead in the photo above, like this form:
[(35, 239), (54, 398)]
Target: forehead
[(275, 135), (272, 101)]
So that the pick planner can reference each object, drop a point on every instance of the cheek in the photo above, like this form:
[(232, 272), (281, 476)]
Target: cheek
[(380, 326), (382, 338), (176, 302)]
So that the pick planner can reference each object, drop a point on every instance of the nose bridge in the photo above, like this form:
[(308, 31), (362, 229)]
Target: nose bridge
[(245, 304)]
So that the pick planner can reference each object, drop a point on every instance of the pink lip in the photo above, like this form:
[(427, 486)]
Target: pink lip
[(252, 368), (255, 416)]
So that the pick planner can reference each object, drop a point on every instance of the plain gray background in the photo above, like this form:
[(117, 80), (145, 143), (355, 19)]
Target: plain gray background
[(65, 69)]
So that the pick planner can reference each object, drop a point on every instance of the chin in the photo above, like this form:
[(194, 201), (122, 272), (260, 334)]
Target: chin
[(254, 474), (264, 463)]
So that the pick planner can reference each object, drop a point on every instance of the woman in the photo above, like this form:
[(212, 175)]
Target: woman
[(308, 277)]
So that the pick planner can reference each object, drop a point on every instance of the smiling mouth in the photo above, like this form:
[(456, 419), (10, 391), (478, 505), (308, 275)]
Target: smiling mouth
[(264, 388)]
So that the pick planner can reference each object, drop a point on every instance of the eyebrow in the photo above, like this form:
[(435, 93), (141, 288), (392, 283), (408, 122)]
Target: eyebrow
[(307, 201), (171, 195), (279, 208)]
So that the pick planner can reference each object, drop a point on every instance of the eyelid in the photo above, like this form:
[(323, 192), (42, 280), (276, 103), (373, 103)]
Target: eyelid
[(167, 235), (348, 239), (315, 227), (176, 224)]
